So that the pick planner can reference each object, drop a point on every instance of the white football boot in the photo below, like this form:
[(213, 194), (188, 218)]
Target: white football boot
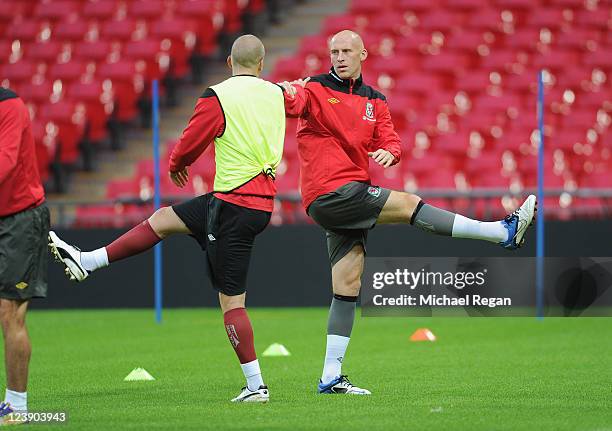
[(518, 222), (69, 255), (341, 385), (261, 395)]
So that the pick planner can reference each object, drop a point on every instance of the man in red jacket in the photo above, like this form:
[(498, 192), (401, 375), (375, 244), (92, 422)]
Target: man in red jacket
[(343, 122), (24, 224), (225, 222)]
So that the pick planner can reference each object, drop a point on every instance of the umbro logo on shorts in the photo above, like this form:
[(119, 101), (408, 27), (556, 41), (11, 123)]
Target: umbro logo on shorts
[(374, 191), (333, 100), (211, 237)]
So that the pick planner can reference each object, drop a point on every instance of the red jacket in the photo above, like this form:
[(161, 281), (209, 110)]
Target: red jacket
[(20, 186), (207, 123), (340, 122)]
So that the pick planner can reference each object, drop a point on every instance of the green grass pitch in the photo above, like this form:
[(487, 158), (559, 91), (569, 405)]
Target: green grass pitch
[(481, 374)]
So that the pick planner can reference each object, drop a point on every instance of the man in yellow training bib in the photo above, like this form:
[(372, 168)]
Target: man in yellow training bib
[(245, 118)]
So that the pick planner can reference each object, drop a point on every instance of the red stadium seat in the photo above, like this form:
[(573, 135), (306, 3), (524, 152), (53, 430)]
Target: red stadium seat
[(98, 100), (598, 18), (388, 22), (43, 51), (71, 30), (497, 103), (466, 41), (335, 23), (6, 49), (55, 10), (67, 72), (569, 4), (430, 163), (415, 5), (124, 76), (413, 43), (522, 83), (600, 58), (595, 99), (546, 18), (118, 30), (367, 7), (36, 93), (473, 82), (396, 66), (499, 60), (445, 62), (418, 83), (442, 179), (117, 189), (515, 4), (582, 119), (146, 9), (487, 19), (465, 5), (455, 144), (70, 120), (18, 72), (288, 69), (92, 51), (573, 77), (10, 11), (25, 31), (101, 10), (148, 50), (526, 39), (597, 181), (555, 60), (176, 31), (208, 19), (576, 38), (439, 20)]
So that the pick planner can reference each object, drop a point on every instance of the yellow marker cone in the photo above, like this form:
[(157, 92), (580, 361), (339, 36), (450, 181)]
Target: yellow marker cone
[(138, 374), (276, 349)]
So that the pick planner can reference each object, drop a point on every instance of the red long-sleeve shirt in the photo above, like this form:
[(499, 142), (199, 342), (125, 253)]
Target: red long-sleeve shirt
[(207, 123), (20, 186), (340, 121)]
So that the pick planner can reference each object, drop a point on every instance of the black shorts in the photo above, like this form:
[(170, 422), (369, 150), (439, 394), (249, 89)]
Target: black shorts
[(347, 214), (227, 233), (23, 254)]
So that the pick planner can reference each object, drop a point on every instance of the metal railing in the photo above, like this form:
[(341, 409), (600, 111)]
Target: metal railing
[(497, 201)]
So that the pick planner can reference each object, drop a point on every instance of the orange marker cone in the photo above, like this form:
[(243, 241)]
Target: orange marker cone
[(423, 334)]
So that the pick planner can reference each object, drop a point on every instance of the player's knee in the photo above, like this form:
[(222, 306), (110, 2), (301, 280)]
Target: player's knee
[(349, 286), (159, 222), (411, 201)]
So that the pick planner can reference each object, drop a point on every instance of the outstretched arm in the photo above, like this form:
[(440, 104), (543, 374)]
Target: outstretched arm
[(296, 97)]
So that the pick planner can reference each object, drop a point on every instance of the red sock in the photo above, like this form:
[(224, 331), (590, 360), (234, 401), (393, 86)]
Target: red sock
[(240, 333), (140, 238)]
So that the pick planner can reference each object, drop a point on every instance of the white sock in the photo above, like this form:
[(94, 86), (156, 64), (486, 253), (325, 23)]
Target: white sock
[(334, 354), (493, 231), (92, 260), (253, 374), (17, 400)]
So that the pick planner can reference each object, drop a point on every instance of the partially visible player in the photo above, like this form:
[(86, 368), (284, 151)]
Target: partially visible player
[(244, 116), (24, 225), (343, 122)]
